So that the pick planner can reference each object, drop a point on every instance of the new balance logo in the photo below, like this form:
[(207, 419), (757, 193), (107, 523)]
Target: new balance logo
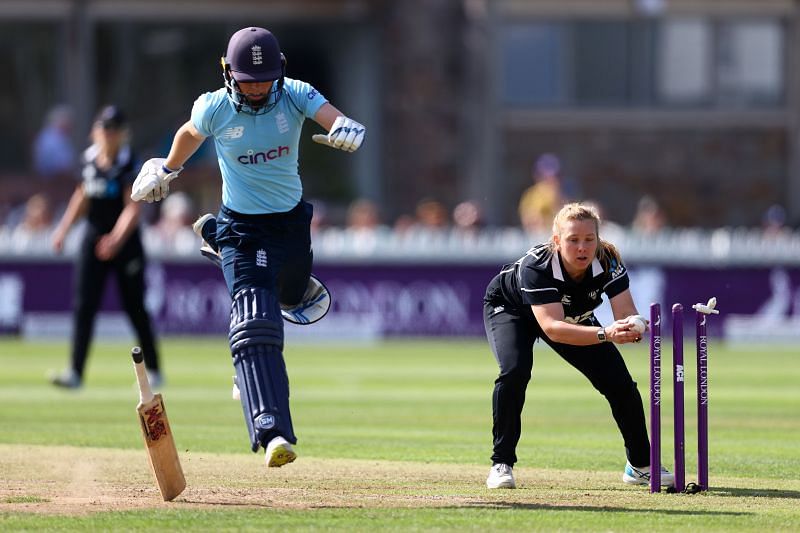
[(261, 258), (233, 133)]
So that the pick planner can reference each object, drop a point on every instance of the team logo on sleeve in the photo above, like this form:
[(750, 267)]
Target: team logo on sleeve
[(233, 132), (617, 269), (312, 93)]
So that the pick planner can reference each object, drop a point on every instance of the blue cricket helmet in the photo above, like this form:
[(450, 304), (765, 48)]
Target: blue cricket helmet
[(253, 56)]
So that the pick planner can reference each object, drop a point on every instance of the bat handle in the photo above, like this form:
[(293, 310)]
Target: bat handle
[(145, 392)]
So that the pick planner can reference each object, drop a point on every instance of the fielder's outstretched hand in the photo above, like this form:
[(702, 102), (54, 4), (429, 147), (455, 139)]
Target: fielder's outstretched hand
[(346, 134), (152, 183)]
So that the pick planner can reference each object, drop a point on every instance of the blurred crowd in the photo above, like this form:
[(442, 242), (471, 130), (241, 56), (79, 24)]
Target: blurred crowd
[(28, 216)]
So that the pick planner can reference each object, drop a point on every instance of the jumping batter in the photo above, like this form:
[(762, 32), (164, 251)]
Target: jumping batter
[(262, 231), (550, 294), (111, 243)]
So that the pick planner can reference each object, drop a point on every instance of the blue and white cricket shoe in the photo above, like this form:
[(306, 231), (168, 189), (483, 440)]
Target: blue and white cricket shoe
[(206, 228), (315, 304), (501, 476), (641, 476)]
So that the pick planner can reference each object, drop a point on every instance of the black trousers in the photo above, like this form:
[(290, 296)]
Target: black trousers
[(511, 334), (90, 279)]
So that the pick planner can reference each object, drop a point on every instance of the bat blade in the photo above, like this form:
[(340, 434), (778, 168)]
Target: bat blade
[(161, 450), (158, 439)]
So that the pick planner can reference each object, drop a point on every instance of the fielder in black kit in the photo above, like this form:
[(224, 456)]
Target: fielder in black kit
[(111, 243), (550, 294)]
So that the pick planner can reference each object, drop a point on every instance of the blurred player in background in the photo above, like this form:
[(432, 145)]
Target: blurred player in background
[(262, 232), (111, 243), (550, 294)]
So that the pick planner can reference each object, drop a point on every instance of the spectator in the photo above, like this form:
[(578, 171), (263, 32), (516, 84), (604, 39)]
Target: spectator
[(365, 232), (610, 229), (467, 217), (174, 227), (53, 151), (36, 223), (649, 217), (363, 215), (774, 221), (431, 214), (541, 201)]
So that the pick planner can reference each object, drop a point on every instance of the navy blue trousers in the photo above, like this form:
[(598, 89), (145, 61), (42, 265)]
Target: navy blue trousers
[(271, 251)]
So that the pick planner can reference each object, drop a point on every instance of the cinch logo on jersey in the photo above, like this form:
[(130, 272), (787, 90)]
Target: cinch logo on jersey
[(253, 158)]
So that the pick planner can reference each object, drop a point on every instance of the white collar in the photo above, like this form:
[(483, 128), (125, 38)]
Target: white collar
[(558, 274)]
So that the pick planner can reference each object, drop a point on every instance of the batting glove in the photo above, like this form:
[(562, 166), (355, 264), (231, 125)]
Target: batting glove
[(152, 183), (346, 134)]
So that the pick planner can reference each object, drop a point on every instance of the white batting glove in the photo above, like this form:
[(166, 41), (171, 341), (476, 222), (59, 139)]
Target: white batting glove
[(346, 134), (152, 183)]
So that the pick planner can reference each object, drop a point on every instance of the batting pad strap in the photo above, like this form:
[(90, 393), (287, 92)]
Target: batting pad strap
[(254, 304), (255, 332)]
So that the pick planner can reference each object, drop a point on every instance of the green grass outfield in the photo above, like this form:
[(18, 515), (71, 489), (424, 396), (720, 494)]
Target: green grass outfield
[(394, 436)]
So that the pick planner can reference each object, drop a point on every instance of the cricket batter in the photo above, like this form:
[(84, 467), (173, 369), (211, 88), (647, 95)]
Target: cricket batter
[(550, 294), (262, 231)]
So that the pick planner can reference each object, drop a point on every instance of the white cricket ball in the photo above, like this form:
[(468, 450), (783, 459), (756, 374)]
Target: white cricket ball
[(638, 322)]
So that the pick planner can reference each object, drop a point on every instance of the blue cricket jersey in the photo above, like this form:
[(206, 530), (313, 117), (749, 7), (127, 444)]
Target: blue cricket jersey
[(258, 154)]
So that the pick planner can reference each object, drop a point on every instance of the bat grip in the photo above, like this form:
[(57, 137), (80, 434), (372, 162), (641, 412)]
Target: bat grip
[(145, 392)]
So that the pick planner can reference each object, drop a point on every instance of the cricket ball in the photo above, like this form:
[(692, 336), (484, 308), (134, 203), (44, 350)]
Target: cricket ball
[(638, 322)]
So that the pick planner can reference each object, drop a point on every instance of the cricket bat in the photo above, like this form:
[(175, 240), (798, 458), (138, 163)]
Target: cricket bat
[(158, 440)]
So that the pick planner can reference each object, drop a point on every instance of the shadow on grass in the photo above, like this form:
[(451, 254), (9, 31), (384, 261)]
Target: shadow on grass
[(756, 493), (596, 509)]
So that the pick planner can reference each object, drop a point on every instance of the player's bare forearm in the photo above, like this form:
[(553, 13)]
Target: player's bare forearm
[(186, 142), (574, 334), (552, 321), (622, 305), (127, 222), (326, 116), (75, 208)]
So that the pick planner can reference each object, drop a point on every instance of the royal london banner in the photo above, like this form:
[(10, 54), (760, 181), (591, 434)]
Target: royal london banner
[(373, 301)]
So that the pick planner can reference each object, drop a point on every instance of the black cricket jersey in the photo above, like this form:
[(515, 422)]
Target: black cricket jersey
[(105, 188), (539, 278)]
